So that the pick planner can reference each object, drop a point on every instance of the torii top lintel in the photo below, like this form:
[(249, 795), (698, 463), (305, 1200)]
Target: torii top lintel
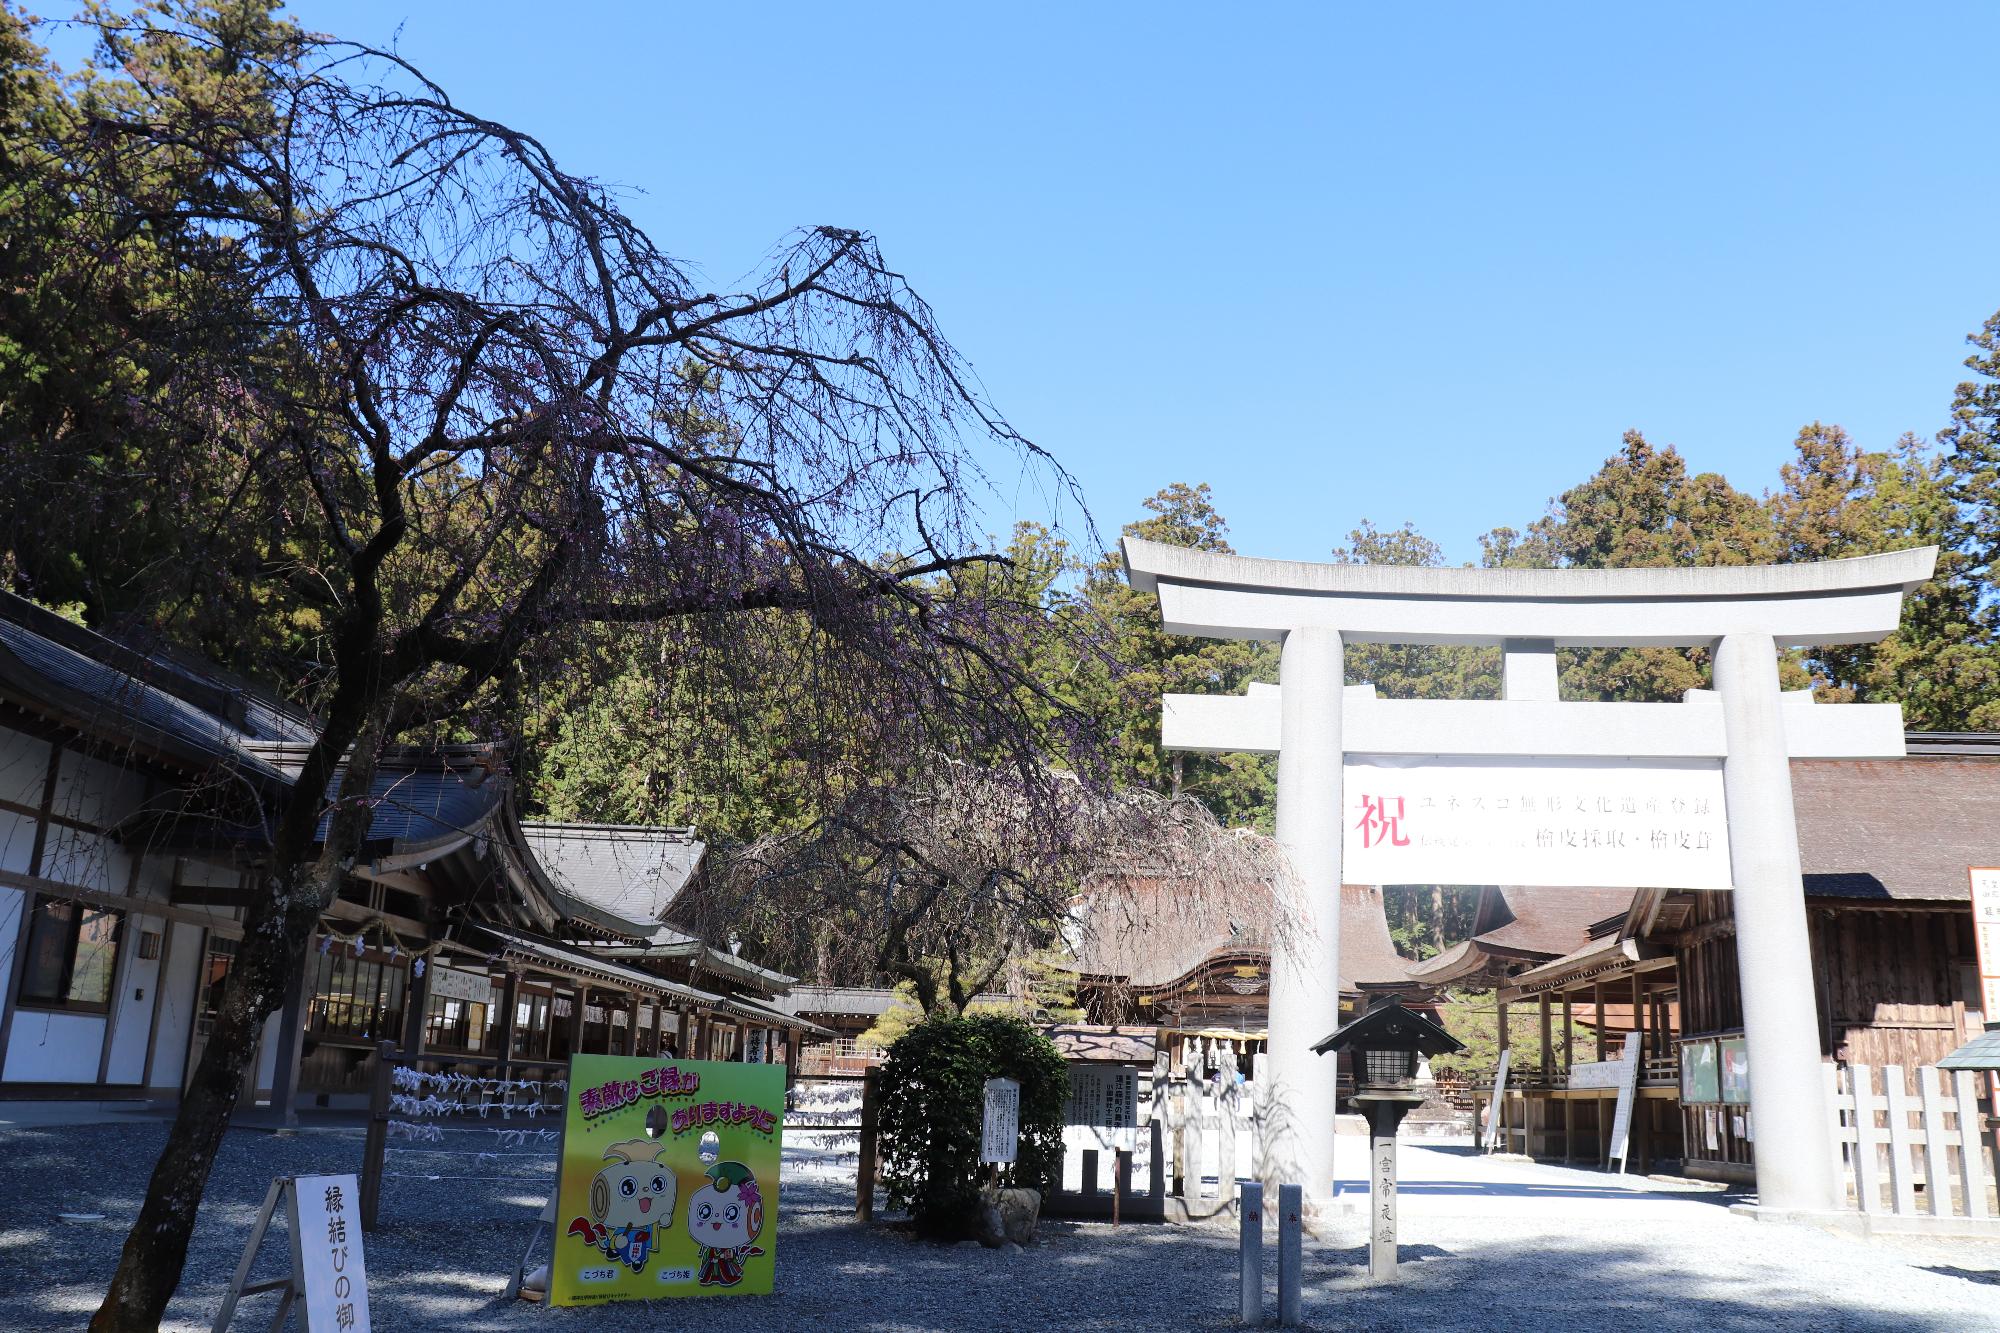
[(1858, 600)]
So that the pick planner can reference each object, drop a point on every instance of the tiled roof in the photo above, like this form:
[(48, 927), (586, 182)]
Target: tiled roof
[(421, 800), (103, 698), (1900, 829), (859, 1001), (1982, 1052), (624, 877), (1151, 932)]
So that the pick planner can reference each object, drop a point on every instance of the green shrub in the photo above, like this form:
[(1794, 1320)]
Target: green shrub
[(932, 1103)]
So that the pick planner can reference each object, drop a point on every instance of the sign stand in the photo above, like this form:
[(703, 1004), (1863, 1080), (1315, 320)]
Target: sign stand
[(522, 1282), (333, 1285), (289, 1284)]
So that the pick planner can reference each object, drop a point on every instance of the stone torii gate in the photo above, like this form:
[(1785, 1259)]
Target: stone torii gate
[(1746, 725)]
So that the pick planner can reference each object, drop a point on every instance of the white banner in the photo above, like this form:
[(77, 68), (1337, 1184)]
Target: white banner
[(472, 987), (1584, 823)]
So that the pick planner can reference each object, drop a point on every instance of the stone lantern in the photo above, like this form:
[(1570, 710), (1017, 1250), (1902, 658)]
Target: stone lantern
[(1386, 1043)]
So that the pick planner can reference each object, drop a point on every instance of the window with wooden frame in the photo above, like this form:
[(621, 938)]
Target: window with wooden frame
[(72, 957)]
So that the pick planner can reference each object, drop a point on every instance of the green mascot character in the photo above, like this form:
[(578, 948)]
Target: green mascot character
[(725, 1217)]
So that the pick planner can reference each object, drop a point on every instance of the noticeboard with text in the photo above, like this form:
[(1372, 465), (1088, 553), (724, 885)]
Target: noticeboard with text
[(1986, 936), (668, 1179), (1733, 1062), (1000, 1125), (1700, 1081)]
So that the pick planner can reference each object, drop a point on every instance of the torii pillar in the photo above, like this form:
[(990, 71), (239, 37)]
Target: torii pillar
[(1311, 721)]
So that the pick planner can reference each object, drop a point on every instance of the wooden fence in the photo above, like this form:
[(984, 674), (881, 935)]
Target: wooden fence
[(1915, 1154)]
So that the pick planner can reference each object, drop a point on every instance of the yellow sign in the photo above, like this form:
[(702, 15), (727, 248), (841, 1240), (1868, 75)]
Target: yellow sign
[(669, 1179)]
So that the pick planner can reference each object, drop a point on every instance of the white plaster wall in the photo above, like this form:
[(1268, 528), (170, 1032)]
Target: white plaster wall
[(24, 762), (53, 1048), (94, 791), (137, 995), (177, 1000)]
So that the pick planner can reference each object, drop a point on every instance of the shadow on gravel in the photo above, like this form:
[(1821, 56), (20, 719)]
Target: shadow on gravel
[(1986, 1275), (441, 1257)]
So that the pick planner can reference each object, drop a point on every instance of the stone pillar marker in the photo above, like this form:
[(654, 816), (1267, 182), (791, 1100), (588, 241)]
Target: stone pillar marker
[(1250, 1254), (1773, 950), (1298, 1105)]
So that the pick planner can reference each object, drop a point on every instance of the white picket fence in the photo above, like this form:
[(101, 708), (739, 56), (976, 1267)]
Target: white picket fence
[(1890, 1146)]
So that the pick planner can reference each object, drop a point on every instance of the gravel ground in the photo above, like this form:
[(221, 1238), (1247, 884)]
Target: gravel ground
[(1488, 1244)]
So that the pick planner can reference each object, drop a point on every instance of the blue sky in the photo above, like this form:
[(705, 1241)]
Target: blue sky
[(1341, 262)]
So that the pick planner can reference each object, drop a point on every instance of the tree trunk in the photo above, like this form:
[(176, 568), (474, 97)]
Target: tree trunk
[(273, 949), (156, 1249)]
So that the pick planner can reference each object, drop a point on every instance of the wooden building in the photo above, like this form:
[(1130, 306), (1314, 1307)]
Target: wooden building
[(1199, 972), (1885, 846), (135, 790)]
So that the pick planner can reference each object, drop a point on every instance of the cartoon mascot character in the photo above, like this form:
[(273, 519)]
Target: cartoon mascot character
[(724, 1218), (632, 1202)]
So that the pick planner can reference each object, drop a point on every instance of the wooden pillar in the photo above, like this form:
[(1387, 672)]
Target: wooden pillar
[(291, 1036), (1638, 1009), (631, 1042), (1548, 1046), (1500, 1021), (510, 1000), (1569, 1126), (579, 999), (418, 1010), (864, 1172), (1569, 1051), (1598, 989)]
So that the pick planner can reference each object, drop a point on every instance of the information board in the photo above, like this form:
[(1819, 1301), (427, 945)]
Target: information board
[(1986, 936), (451, 984), (1000, 1126), (1651, 824), (1699, 1082), (1628, 1091), (668, 1179), (1733, 1063)]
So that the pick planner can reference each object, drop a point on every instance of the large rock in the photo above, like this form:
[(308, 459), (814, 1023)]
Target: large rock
[(1007, 1215)]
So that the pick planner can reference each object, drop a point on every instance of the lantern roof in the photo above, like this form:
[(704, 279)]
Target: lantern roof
[(1981, 1053), (1394, 1028)]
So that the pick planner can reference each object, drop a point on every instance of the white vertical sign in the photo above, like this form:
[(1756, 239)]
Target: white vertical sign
[(326, 1245), (1000, 1129), (1986, 936), (1628, 1089), (1493, 1108)]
